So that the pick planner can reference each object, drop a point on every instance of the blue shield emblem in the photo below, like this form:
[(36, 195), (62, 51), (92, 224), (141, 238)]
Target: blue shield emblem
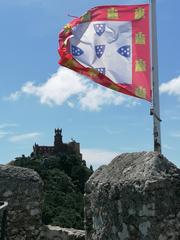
[(76, 51), (101, 70), (99, 28), (125, 51), (99, 50)]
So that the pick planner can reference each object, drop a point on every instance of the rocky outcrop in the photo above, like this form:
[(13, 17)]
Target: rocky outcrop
[(57, 233), (22, 189), (135, 197)]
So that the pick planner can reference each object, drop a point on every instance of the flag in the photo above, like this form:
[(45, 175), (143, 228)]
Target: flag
[(111, 46)]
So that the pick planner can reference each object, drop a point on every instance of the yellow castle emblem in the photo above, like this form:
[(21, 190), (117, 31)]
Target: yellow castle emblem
[(67, 28), (71, 63), (112, 13), (139, 13), (86, 17), (140, 38), (140, 65), (114, 87), (93, 73), (140, 92)]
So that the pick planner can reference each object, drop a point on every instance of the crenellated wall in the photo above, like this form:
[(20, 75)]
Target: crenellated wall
[(135, 197)]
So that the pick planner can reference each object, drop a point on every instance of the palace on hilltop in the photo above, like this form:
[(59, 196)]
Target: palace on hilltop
[(59, 147)]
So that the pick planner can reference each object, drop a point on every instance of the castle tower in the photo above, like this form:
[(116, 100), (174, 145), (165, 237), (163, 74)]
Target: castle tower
[(58, 140)]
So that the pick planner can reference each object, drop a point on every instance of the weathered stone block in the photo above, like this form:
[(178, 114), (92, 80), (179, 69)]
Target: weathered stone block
[(135, 197), (58, 233), (22, 189)]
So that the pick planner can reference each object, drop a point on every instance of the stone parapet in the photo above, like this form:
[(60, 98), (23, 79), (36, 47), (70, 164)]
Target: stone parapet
[(135, 197), (22, 189)]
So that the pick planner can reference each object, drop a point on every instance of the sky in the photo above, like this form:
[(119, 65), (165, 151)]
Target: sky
[(37, 95)]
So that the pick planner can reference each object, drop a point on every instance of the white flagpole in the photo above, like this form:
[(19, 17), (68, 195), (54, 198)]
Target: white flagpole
[(155, 111)]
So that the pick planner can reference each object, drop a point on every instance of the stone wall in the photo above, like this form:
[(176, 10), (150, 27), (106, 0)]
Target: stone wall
[(135, 197), (22, 189), (3, 216)]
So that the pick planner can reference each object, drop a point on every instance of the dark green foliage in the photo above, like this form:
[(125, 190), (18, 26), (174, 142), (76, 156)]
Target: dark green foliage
[(64, 178)]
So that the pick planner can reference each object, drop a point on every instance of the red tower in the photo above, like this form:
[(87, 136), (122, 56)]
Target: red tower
[(58, 143)]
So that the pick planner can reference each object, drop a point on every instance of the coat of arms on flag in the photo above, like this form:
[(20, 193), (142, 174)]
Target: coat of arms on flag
[(111, 45)]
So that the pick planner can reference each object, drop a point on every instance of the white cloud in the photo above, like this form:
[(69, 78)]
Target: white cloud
[(172, 87), (95, 98), (175, 135), (98, 157), (3, 134), (167, 147), (8, 125), (58, 89), (5, 129), (24, 137), (66, 86), (70, 104), (13, 96)]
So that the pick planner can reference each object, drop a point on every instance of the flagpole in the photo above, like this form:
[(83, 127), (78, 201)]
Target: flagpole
[(155, 111)]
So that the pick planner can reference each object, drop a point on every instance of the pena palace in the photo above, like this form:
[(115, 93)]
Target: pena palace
[(59, 147)]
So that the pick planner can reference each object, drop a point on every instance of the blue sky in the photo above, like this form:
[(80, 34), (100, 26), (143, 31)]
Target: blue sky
[(37, 96)]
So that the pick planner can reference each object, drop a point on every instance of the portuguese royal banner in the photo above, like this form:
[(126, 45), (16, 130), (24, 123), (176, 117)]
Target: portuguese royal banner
[(111, 46)]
